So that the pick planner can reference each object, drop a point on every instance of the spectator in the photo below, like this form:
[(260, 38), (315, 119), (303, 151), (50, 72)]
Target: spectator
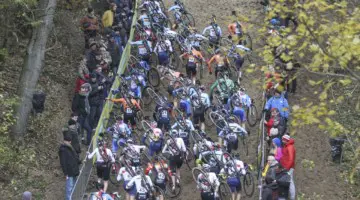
[(27, 196), (95, 100), (92, 57), (71, 130), (279, 102), (273, 165), (69, 162), (288, 161), (276, 148), (90, 26), (283, 181), (275, 125), (270, 190), (108, 18), (81, 105), (83, 75), (75, 116), (115, 52)]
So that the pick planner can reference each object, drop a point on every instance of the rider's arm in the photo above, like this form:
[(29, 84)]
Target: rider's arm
[(131, 182), (216, 183), (108, 152), (93, 153), (149, 181), (206, 29), (213, 87), (127, 130), (182, 144), (220, 32), (121, 100), (137, 105), (136, 42), (268, 104), (210, 61), (165, 148), (174, 126), (168, 44)]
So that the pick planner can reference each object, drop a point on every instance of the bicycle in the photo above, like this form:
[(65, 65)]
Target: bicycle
[(169, 185)]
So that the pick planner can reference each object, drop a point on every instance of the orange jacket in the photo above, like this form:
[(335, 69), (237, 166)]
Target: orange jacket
[(89, 23), (124, 104)]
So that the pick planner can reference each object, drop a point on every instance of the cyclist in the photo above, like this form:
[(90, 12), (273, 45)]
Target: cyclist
[(104, 158), (184, 127), (119, 130), (144, 49), (156, 139), (176, 9), (214, 34), (233, 170), (131, 152), (194, 58), (157, 169), (143, 185), (126, 173), (200, 104), (208, 183), (205, 144), (129, 110), (224, 86), (163, 48), (162, 116), (137, 81), (175, 146), (144, 19), (235, 30), (220, 60)]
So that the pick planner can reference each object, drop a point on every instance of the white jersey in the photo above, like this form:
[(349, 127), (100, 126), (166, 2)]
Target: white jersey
[(163, 46), (170, 148), (212, 32), (239, 167), (208, 183), (100, 158), (133, 150), (236, 128), (124, 174), (189, 125), (139, 183)]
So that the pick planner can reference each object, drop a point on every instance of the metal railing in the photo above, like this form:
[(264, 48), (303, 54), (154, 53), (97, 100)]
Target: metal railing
[(86, 169)]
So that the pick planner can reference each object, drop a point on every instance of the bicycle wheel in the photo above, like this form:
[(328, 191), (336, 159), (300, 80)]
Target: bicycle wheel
[(244, 143), (224, 191), (208, 121), (247, 41), (174, 61), (138, 118), (196, 172), (114, 171), (146, 125), (157, 193), (252, 115), (248, 184), (225, 42), (189, 157), (195, 136), (153, 77), (146, 97), (188, 20), (218, 120), (154, 59), (169, 192)]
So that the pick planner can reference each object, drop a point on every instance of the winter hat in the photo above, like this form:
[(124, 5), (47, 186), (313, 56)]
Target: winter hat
[(67, 137), (277, 142), (26, 195), (271, 158), (71, 122), (286, 138), (274, 132)]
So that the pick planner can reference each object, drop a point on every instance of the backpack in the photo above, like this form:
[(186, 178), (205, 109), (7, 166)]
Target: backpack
[(38, 101)]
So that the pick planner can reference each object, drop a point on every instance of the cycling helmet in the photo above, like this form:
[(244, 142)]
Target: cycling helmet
[(206, 167), (130, 141), (100, 143), (217, 51), (202, 87), (242, 89), (138, 170), (122, 142), (153, 124), (174, 133)]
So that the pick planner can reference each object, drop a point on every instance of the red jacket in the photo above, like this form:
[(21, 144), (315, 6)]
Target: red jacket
[(289, 153)]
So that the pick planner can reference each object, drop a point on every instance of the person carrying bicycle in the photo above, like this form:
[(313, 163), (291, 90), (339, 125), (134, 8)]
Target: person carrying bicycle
[(156, 139), (176, 148), (158, 170), (208, 183), (119, 130), (126, 173), (220, 60), (176, 9), (143, 184), (235, 30), (144, 49), (163, 48), (199, 105), (214, 33), (131, 152), (162, 115), (224, 86), (130, 106), (137, 82), (194, 58), (184, 126), (104, 158), (144, 19), (233, 169)]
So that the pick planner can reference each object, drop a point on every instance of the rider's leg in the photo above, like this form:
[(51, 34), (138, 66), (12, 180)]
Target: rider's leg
[(238, 196), (233, 195), (106, 183)]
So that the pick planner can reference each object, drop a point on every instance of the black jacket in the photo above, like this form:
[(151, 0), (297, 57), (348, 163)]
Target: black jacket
[(79, 105), (96, 95), (69, 160), (283, 185), (72, 131), (270, 192)]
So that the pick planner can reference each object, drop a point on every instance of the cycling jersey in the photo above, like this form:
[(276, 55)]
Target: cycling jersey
[(145, 20), (208, 182), (143, 186), (214, 31), (172, 149), (102, 154), (224, 87), (127, 109), (125, 175), (143, 48), (188, 123), (121, 130)]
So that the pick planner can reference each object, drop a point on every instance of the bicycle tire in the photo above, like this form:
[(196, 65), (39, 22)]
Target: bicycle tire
[(252, 115), (247, 41), (174, 61), (224, 191), (225, 42), (189, 157), (218, 120), (153, 77), (245, 146), (146, 98), (146, 125), (114, 170), (248, 184), (208, 121), (196, 172)]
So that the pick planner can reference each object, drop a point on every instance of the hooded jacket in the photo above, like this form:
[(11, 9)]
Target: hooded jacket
[(288, 158), (270, 192), (280, 103), (72, 131), (80, 102), (69, 160)]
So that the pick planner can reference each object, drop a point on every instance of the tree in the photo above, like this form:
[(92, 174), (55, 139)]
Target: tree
[(33, 63), (326, 43)]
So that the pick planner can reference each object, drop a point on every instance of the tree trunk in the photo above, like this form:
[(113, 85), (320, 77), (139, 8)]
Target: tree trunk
[(33, 65)]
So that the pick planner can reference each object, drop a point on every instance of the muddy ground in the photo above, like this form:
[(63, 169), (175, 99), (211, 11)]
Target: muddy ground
[(58, 79)]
